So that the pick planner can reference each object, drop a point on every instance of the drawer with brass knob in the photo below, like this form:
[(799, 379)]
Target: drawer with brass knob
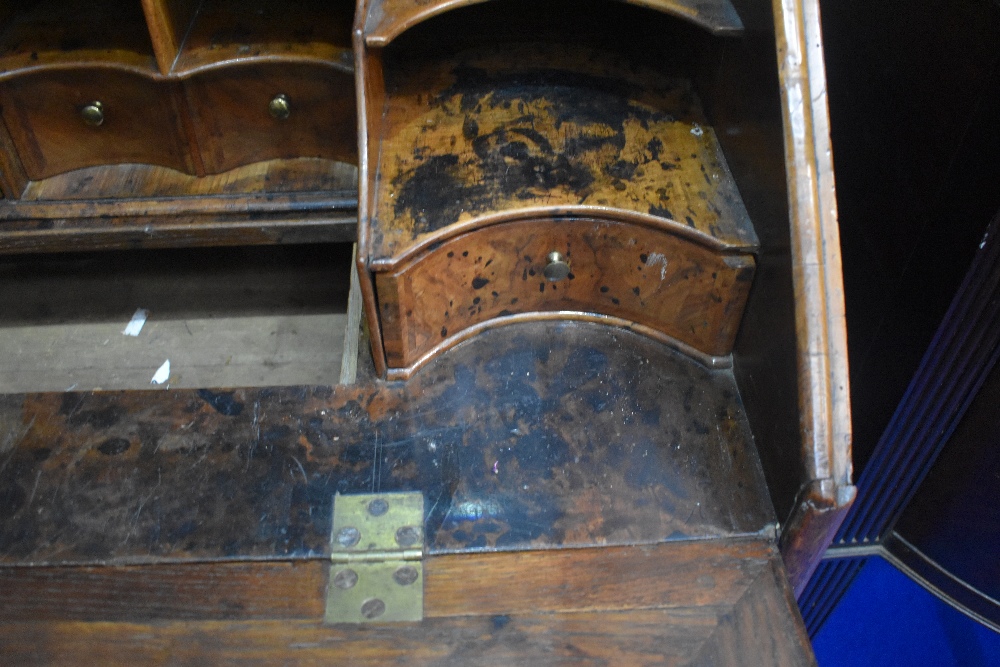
[(542, 181), (247, 113), (64, 120), (633, 275)]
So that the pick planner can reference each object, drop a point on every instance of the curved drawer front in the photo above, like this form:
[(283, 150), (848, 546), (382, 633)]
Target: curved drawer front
[(65, 120), (249, 113), (638, 274)]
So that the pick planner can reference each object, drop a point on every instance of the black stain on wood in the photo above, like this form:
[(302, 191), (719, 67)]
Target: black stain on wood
[(114, 446), (223, 402)]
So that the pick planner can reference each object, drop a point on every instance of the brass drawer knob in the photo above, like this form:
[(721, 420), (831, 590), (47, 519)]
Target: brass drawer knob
[(280, 107), (557, 268), (93, 114)]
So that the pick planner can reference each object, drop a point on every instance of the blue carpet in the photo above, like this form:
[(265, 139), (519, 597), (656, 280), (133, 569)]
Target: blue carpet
[(885, 618)]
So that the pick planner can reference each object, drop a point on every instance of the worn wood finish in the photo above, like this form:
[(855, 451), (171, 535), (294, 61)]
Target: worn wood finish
[(216, 505), (661, 576), (54, 34), (542, 134), (233, 127), (387, 19), (640, 637), (138, 189), (180, 230), (559, 433), (824, 400), (305, 200), (236, 31), (637, 274), (565, 130), (141, 121)]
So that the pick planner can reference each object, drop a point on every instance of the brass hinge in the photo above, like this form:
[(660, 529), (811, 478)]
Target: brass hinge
[(376, 547)]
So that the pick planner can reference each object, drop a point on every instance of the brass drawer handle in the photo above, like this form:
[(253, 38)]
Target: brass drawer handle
[(557, 268), (93, 114), (280, 107)]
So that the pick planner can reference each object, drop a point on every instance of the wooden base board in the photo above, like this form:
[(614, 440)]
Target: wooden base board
[(223, 319)]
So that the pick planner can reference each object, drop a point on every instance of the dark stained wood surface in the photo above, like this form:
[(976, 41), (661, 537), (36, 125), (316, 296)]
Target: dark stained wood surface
[(387, 19), (59, 34), (237, 31), (554, 434), (564, 130)]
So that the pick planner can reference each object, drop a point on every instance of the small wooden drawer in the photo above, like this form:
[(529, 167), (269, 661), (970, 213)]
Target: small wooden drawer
[(249, 113), (630, 274), (65, 120)]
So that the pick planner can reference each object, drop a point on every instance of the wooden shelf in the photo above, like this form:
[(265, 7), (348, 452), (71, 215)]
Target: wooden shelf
[(278, 201), (387, 19), (139, 181), (509, 132), (237, 31), (66, 34)]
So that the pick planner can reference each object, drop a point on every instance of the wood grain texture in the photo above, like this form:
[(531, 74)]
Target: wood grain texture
[(139, 189), (663, 576), (13, 180), (760, 628), (387, 19), (58, 34), (566, 130), (557, 434), (304, 200), (233, 31), (233, 127), (654, 637), (757, 630), (141, 121), (636, 273)]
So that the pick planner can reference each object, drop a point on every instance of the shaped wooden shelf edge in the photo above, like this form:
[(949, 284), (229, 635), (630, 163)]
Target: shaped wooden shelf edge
[(387, 19)]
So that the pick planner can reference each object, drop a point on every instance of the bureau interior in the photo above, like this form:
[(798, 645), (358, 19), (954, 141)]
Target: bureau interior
[(197, 87), (581, 53)]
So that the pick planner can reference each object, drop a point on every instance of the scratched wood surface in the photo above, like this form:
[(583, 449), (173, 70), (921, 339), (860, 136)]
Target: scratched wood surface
[(669, 575), (557, 434), (519, 129), (387, 19), (668, 284), (760, 629)]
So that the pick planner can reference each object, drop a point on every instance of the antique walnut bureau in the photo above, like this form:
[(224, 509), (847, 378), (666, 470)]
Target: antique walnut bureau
[(603, 418)]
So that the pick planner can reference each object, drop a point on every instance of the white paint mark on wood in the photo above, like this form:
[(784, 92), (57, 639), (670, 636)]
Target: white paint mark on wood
[(661, 259), (136, 323), (162, 374)]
